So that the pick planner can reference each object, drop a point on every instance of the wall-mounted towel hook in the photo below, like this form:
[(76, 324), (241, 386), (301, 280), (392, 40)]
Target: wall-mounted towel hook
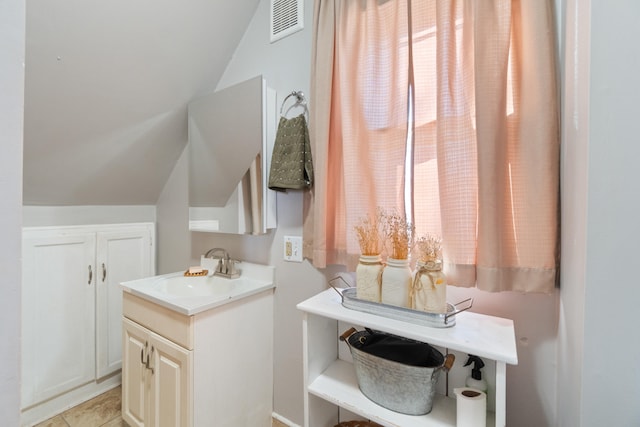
[(300, 101)]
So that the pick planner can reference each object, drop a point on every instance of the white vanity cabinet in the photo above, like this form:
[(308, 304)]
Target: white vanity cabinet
[(329, 377), (210, 368), (71, 309)]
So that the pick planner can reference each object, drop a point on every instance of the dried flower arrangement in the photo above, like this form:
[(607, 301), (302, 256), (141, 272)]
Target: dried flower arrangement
[(368, 233), (399, 234), (428, 248)]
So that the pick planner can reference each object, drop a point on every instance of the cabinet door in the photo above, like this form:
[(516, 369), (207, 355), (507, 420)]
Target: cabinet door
[(122, 255), (171, 384), (58, 297), (134, 373)]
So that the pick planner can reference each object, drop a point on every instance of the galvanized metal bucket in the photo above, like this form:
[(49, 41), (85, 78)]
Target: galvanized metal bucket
[(397, 386)]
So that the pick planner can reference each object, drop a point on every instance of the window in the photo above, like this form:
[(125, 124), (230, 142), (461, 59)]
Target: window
[(446, 110)]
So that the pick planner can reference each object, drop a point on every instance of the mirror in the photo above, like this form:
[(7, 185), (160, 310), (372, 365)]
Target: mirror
[(231, 134)]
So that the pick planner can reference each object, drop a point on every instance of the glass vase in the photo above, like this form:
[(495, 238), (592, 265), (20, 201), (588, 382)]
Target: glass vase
[(369, 277), (429, 291), (396, 282)]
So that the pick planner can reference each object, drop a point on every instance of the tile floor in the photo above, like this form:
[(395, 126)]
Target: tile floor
[(276, 423), (101, 411)]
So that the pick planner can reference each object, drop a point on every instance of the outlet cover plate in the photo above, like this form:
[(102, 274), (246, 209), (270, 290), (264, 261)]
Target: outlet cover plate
[(292, 248)]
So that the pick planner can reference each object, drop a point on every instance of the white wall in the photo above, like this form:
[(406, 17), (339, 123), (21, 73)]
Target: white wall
[(35, 216), (611, 373), (598, 374), (575, 151), (173, 245), (107, 89), (12, 34)]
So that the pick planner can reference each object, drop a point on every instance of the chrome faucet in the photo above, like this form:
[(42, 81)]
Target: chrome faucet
[(225, 266)]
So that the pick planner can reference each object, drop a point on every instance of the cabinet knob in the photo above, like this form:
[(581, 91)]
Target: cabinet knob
[(90, 276), (104, 272)]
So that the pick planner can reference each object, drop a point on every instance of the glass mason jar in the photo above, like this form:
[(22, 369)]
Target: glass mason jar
[(396, 282), (429, 291), (369, 277)]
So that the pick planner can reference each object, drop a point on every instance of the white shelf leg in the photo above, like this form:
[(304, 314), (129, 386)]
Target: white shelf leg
[(318, 354), (305, 367), (501, 394)]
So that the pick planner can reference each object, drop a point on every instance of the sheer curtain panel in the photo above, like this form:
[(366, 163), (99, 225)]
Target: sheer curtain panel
[(446, 110)]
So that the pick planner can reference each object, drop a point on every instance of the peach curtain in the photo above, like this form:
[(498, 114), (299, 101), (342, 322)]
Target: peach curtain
[(482, 128)]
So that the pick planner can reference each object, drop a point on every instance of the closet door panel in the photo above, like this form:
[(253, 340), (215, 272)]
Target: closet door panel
[(58, 312), (122, 255)]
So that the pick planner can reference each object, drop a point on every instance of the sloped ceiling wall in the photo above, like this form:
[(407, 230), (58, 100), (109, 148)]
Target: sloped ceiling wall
[(107, 84)]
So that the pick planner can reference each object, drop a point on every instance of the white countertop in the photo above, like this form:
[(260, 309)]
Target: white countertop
[(254, 278)]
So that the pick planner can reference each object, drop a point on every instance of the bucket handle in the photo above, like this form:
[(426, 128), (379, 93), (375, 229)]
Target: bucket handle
[(346, 334), (448, 362)]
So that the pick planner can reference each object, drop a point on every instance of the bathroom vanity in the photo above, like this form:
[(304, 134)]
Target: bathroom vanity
[(198, 351)]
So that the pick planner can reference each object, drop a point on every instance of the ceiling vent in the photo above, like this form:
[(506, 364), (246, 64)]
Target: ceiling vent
[(286, 18)]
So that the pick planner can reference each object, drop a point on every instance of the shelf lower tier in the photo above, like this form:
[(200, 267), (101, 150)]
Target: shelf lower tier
[(338, 385)]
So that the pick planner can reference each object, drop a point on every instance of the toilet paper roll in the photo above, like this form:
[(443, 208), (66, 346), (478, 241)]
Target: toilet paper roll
[(471, 407)]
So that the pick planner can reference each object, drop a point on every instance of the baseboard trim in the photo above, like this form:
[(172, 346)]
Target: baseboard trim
[(284, 420)]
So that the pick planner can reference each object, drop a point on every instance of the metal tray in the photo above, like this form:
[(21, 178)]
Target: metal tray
[(419, 317)]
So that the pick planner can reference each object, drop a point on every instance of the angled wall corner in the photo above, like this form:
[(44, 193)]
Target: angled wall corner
[(172, 213), (12, 57)]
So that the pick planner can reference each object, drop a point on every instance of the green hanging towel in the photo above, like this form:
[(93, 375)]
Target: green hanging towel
[(291, 164)]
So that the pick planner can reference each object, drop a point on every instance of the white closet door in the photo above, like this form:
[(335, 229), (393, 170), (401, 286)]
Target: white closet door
[(58, 312), (123, 254)]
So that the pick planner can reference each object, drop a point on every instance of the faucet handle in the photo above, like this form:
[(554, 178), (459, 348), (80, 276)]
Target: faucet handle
[(224, 265), (220, 268), (231, 266)]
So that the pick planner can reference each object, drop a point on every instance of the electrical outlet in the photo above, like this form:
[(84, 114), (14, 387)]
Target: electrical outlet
[(293, 248)]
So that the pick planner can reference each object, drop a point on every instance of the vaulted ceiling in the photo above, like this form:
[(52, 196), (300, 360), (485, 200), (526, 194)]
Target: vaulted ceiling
[(107, 85)]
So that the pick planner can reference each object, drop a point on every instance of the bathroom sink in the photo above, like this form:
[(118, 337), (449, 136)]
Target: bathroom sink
[(182, 286), (191, 295)]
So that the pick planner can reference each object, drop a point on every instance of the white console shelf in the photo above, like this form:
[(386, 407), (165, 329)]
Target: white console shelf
[(330, 382)]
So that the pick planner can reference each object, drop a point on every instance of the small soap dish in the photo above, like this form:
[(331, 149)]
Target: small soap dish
[(199, 273)]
